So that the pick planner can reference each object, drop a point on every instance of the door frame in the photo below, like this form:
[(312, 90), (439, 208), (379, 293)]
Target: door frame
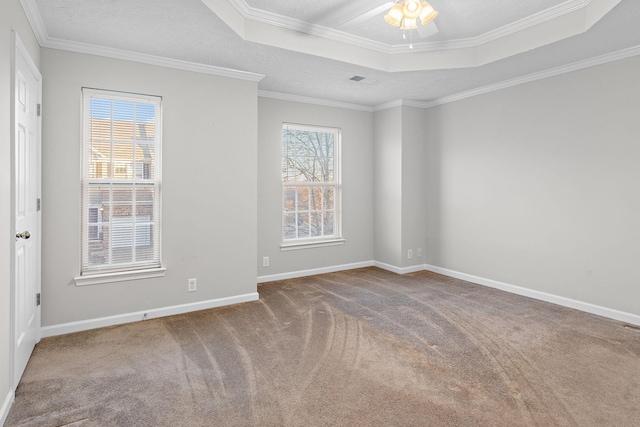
[(20, 49)]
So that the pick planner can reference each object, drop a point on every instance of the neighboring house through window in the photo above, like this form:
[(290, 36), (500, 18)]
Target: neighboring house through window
[(121, 180), (310, 184)]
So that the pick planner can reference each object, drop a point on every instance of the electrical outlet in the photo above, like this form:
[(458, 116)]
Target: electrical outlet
[(192, 285), (410, 254), (419, 252), (265, 261)]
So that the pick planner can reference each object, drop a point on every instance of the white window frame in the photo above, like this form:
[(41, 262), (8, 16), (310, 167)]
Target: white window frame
[(115, 272), (320, 241)]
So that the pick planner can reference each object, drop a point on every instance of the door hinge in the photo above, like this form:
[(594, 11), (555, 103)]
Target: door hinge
[(39, 109), (38, 299), (38, 204)]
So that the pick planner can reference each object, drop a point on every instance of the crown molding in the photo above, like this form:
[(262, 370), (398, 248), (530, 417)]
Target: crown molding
[(576, 66), (35, 20), (559, 22), (552, 72), (555, 12), (539, 18), (387, 105), (314, 101), (249, 13), (400, 103), (143, 58)]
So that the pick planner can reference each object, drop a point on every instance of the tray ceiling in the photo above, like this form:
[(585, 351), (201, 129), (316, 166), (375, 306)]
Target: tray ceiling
[(303, 48)]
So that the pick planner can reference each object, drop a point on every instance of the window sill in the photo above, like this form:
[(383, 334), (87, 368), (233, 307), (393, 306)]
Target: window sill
[(121, 276), (310, 244)]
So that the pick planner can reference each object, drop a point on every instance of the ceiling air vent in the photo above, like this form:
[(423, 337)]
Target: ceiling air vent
[(367, 80)]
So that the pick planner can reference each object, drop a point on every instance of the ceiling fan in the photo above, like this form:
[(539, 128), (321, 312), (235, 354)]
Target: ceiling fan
[(416, 9)]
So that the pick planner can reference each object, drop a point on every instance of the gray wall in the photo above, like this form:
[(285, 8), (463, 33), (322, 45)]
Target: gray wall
[(414, 198), (400, 199), (209, 186), (11, 18), (357, 189), (388, 186), (537, 185)]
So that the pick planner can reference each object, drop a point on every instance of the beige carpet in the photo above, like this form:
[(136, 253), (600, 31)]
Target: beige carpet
[(358, 348)]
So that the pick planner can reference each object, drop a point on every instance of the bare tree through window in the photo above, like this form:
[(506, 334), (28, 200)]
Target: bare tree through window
[(310, 182)]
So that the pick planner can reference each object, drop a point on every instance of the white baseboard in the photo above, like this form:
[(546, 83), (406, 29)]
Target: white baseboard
[(313, 271), (399, 270), (84, 325), (6, 406), (610, 313), (66, 328), (621, 316)]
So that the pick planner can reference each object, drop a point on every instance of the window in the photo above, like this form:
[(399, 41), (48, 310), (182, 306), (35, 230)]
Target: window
[(121, 180), (310, 184)]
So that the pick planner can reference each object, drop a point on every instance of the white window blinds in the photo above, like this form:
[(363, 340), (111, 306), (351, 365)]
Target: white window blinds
[(121, 180)]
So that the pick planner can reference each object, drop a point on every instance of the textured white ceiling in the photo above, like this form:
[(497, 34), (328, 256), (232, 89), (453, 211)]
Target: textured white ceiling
[(188, 30)]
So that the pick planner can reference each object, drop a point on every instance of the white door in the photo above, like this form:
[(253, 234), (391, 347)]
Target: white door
[(27, 148)]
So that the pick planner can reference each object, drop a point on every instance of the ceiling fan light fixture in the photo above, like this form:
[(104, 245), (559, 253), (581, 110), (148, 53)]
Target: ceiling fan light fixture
[(405, 14), (411, 9), (394, 15), (409, 24), (427, 14)]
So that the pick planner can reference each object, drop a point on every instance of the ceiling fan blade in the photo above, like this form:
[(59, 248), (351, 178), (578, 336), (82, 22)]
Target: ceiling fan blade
[(365, 16), (428, 30)]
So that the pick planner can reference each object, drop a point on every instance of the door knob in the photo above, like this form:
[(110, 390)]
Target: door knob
[(23, 235)]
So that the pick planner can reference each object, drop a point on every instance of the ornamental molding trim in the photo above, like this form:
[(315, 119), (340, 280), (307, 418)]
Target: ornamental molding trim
[(557, 23)]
